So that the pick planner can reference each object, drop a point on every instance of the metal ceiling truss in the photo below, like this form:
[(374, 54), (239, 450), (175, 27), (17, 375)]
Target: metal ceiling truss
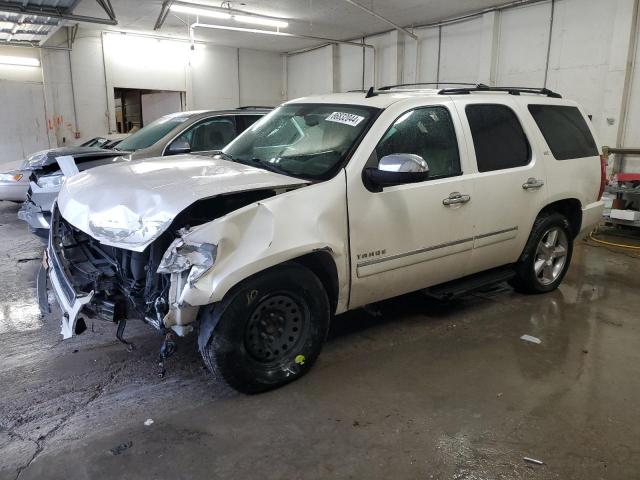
[(60, 13), (164, 12)]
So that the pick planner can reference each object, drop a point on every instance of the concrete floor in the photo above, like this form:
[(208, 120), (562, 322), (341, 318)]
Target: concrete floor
[(427, 390)]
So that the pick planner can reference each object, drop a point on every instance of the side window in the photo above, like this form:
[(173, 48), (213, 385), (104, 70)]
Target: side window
[(427, 132), (565, 130), (245, 121), (212, 134), (498, 137)]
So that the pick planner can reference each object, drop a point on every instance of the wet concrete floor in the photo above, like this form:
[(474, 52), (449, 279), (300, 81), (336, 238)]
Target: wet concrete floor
[(426, 390)]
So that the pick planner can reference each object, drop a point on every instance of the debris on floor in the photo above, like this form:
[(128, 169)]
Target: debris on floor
[(533, 460), (532, 339), (117, 450), (148, 422)]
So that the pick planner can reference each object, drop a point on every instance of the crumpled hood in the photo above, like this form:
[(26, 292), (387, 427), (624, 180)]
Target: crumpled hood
[(128, 205), (48, 157)]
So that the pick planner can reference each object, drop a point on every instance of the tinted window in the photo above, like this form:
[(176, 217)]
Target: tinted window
[(212, 134), (498, 137), (245, 121), (427, 132), (565, 130)]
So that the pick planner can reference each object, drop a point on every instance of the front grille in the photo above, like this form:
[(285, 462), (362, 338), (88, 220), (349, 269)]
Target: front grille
[(55, 255)]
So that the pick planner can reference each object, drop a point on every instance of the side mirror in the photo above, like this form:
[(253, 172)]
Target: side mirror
[(180, 145), (396, 169)]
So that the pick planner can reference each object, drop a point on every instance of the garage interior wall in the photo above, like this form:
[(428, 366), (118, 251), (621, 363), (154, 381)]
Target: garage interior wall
[(582, 54), (213, 77)]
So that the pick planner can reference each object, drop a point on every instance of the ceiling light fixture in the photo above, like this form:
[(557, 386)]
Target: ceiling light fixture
[(19, 61), (203, 12), (269, 22), (228, 14)]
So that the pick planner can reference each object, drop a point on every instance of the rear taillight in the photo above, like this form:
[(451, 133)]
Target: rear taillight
[(603, 175)]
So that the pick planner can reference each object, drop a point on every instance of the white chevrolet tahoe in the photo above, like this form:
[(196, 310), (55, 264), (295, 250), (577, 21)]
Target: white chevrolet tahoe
[(327, 204)]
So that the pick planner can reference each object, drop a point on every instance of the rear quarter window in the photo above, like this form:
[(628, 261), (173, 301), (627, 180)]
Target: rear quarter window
[(565, 130)]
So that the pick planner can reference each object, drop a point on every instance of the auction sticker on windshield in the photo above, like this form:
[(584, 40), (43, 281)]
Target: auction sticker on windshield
[(345, 118)]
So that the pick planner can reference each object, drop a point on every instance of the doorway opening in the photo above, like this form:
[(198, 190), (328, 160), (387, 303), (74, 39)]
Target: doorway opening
[(136, 108)]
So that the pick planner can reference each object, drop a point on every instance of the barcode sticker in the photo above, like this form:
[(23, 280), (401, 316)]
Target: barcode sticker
[(345, 118)]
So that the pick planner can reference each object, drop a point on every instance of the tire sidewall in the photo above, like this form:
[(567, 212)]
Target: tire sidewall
[(227, 344), (526, 269)]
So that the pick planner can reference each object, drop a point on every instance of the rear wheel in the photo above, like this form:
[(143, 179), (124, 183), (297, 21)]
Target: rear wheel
[(271, 330), (546, 256)]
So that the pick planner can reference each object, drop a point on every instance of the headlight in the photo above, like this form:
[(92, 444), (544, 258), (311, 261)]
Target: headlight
[(181, 256), (51, 181), (122, 225), (10, 177)]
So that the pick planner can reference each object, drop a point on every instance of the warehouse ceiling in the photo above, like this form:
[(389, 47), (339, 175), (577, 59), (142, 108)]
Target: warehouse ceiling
[(32, 22), (334, 19)]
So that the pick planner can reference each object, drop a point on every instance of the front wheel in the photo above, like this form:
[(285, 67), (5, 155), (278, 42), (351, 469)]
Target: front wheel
[(546, 256), (270, 331)]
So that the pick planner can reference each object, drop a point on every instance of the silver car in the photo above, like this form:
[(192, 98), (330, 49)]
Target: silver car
[(177, 133)]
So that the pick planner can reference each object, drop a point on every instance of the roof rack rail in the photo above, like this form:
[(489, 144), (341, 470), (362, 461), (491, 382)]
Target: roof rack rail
[(390, 87), (509, 90), (247, 107)]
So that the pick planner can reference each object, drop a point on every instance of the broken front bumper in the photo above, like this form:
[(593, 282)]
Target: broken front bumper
[(34, 216), (69, 301)]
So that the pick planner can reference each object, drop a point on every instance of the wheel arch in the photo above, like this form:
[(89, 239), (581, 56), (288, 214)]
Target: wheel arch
[(571, 208), (320, 262)]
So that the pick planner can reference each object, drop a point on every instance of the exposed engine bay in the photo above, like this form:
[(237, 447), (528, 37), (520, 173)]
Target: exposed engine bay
[(125, 283)]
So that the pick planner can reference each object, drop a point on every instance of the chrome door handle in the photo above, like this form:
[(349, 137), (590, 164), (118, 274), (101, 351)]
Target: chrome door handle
[(455, 198), (532, 183)]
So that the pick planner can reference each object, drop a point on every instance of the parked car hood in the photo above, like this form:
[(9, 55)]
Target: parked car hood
[(130, 204), (48, 157)]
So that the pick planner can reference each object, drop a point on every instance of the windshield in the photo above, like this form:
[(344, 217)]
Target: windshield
[(302, 140), (147, 136)]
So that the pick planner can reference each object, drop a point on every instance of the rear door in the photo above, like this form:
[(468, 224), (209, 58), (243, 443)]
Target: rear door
[(509, 182)]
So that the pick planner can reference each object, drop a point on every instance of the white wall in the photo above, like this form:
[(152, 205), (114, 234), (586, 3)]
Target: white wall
[(23, 119), (213, 77), (261, 78), (585, 51), (310, 72)]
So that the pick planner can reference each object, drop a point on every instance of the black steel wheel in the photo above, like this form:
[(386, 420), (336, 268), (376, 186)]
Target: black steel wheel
[(270, 329)]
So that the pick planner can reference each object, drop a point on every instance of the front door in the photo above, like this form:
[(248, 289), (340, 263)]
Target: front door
[(411, 236)]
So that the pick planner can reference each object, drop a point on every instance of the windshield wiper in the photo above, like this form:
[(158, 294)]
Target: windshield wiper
[(272, 167)]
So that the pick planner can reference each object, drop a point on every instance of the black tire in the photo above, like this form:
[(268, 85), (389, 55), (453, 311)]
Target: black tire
[(526, 279), (289, 305)]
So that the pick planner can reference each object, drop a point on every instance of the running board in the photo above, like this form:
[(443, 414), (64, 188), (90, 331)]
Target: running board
[(473, 282)]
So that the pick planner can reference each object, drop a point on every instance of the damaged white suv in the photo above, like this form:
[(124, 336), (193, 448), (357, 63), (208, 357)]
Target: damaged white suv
[(326, 204)]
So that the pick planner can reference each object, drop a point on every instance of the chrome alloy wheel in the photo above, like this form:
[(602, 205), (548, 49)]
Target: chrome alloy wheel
[(551, 255)]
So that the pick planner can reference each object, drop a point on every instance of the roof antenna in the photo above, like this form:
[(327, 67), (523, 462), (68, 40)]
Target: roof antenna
[(370, 93)]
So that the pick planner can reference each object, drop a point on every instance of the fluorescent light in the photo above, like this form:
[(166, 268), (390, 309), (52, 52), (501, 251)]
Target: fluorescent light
[(203, 12), (261, 21), (20, 61)]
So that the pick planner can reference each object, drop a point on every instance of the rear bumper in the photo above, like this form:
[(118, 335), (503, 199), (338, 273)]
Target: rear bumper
[(591, 218)]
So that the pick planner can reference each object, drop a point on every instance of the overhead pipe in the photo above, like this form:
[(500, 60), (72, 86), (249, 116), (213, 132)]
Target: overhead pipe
[(380, 17)]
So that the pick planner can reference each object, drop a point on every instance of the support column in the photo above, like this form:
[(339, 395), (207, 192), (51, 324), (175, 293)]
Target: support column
[(489, 48)]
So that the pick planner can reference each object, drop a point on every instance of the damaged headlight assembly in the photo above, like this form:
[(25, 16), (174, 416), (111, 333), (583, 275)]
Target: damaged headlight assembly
[(182, 256), (51, 181)]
